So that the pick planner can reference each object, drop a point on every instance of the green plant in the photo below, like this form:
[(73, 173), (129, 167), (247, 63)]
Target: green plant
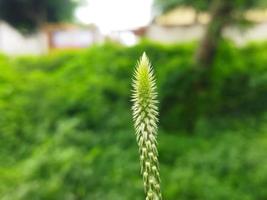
[(58, 140), (145, 114)]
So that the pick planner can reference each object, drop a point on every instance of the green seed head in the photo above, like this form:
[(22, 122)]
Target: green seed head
[(145, 113)]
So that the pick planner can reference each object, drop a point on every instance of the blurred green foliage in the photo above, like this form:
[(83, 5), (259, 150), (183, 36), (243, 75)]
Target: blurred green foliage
[(66, 130)]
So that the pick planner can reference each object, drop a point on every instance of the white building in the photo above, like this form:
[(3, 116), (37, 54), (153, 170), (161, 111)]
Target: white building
[(180, 34), (56, 36), (12, 42), (185, 25)]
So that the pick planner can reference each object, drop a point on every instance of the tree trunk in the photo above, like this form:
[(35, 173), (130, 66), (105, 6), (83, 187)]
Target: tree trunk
[(220, 15)]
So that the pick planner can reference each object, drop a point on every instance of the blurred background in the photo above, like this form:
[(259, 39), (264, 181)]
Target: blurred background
[(65, 83)]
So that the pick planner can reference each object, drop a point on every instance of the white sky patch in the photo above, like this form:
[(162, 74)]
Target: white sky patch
[(114, 15)]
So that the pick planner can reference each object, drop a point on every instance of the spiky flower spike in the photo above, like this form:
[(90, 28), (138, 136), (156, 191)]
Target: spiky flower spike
[(145, 114)]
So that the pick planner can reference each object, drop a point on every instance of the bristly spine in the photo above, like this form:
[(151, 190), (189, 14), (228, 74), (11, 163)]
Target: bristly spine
[(145, 116)]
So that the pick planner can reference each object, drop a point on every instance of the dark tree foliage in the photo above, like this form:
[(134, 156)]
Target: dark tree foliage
[(165, 6), (27, 15), (205, 5)]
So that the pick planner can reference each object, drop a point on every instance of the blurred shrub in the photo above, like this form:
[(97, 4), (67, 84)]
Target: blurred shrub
[(94, 86), (64, 115), (75, 164)]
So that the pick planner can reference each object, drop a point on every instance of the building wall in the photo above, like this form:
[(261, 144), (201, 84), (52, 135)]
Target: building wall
[(12, 42), (56, 36), (257, 32), (174, 33), (242, 36)]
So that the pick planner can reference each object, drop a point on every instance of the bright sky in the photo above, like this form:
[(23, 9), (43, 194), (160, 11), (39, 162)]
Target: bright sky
[(111, 15)]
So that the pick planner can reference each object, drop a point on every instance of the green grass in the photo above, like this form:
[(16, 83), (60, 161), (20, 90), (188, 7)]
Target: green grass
[(66, 129), (72, 164)]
